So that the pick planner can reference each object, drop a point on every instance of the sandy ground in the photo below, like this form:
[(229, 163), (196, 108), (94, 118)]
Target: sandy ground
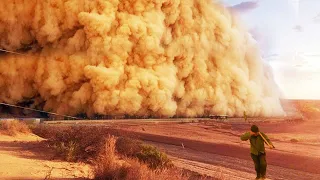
[(214, 148), (26, 157), (210, 148)]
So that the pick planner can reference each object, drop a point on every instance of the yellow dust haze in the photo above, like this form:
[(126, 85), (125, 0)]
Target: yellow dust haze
[(135, 57)]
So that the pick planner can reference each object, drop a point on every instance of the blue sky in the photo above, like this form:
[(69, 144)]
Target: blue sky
[(288, 34)]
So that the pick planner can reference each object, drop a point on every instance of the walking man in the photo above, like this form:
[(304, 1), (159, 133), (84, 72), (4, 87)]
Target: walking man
[(258, 154)]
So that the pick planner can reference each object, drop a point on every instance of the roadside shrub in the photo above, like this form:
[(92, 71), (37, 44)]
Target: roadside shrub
[(47, 132), (154, 158), (109, 167), (76, 143), (147, 154), (128, 147), (13, 127), (69, 151), (106, 166), (112, 158)]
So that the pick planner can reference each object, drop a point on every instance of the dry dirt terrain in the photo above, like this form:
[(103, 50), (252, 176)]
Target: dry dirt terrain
[(210, 148), (25, 157), (297, 153), (214, 148)]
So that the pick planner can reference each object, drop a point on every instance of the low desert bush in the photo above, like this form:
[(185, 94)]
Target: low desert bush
[(13, 127), (112, 158), (68, 151), (153, 157), (109, 167), (106, 166), (46, 132), (147, 154), (85, 143), (73, 143), (128, 147)]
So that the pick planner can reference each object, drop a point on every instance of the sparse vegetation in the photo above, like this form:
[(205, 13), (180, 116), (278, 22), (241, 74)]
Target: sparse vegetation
[(154, 158), (73, 143), (69, 151), (128, 147), (106, 166), (81, 144), (110, 166), (112, 158), (13, 127), (145, 153)]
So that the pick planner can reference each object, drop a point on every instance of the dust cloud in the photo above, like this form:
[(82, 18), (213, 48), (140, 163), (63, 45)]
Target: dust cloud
[(136, 57)]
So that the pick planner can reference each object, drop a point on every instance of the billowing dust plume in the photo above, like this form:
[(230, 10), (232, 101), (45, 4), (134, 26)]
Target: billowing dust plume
[(134, 57)]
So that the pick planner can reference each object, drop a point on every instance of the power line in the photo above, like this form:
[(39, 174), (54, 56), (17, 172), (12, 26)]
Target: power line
[(21, 107), (12, 52)]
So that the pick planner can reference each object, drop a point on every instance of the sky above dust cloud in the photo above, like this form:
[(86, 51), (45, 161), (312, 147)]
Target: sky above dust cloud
[(288, 32)]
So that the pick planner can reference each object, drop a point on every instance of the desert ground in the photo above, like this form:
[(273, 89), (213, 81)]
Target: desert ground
[(214, 148), (209, 147), (26, 157)]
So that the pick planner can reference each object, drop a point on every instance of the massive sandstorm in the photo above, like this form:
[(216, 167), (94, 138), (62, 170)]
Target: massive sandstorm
[(133, 57)]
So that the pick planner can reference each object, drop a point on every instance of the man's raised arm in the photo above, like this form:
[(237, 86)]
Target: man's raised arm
[(245, 136)]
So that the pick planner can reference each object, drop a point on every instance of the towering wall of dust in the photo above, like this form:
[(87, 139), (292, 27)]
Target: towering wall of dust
[(135, 57)]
